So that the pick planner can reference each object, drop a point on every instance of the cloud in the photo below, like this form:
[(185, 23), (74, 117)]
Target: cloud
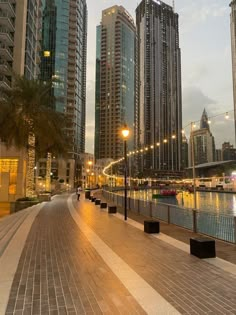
[(194, 13), (194, 102)]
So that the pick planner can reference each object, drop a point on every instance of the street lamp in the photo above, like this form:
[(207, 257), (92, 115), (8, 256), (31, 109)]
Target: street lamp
[(125, 135), (193, 167)]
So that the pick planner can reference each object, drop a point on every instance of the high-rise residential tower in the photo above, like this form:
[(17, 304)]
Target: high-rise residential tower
[(158, 106), (63, 59), (19, 39), (115, 61), (233, 50)]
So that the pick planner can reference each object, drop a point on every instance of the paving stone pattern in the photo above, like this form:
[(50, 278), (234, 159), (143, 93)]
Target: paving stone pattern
[(59, 272), (190, 284)]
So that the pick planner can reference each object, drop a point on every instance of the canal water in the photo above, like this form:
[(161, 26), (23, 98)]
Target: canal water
[(218, 203)]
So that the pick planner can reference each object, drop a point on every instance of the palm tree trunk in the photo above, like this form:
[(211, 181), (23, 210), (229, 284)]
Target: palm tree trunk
[(48, 172), (30, 191)]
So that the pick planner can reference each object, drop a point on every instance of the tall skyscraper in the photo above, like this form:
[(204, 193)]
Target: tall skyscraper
[(19, 39), (115, 61), (233, 50), (158, 111), (63, 59)]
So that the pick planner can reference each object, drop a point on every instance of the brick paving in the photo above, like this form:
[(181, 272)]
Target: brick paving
[(225, 250), (191, 285), (59, 271)]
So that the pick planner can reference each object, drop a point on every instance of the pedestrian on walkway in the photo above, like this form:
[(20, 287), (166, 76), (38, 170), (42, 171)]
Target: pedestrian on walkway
[(78, 192)]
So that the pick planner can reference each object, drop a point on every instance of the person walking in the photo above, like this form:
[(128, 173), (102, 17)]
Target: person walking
[(78, 192)]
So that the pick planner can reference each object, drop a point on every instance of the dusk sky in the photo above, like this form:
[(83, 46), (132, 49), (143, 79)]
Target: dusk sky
[(204, 27)]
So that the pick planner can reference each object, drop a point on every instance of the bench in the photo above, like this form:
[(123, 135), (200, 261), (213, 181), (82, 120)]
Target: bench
[(151, 226), (202, 247)]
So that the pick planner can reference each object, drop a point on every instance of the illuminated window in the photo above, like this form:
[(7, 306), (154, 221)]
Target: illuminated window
[(47, 53), (10, 166)]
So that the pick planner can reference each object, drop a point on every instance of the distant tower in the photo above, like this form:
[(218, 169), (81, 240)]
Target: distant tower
[(114, 99), (204, 120), (204, 143), (233, 50), (158, 112)]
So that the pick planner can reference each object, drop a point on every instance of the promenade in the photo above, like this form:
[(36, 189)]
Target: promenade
[(71, 257)]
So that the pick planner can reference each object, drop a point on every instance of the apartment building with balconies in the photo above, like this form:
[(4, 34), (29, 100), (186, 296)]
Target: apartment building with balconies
[(158, 105), (114, 96)]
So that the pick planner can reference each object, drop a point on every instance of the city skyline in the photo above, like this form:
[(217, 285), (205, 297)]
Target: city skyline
[(206, 62)]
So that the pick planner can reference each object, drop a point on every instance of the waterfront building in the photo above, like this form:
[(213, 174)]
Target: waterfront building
[(203, 143), (228, 152), (19, 39), (184, 154), (219, 155), (63, 60), (233, 51), (158, 105), (20, 25), (114, 99)]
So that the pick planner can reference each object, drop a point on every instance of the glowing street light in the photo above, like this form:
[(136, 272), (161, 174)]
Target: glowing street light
[(125, 135)]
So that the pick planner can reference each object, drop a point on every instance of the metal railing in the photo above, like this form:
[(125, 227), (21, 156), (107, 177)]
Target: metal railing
[(216, 225)]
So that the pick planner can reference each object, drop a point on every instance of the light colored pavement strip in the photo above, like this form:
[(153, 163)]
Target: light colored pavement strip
[(145, 295), (10, 258), (217, 262)]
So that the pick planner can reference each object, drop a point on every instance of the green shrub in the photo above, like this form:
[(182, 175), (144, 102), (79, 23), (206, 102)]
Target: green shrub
[(27, 199)]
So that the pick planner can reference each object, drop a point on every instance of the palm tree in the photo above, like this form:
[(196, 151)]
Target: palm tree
[(27, 120)]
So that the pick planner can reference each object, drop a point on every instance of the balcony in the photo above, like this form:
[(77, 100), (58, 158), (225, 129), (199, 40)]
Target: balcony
[(5, 5), (6, 52), (6, 36), (5, 68), (7, 21), (4, 81)]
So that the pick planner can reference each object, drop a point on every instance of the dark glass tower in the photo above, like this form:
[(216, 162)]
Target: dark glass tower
[(63, 59), (158, 112)]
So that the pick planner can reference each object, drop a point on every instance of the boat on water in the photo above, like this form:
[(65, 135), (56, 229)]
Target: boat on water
[(165, 193)]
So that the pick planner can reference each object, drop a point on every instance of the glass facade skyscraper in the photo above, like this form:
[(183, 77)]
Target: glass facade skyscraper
[(114, 100), (158, 105), (63, 60)]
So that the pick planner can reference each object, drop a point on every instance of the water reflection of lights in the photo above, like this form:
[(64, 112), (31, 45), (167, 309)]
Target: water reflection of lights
[(219, 203)]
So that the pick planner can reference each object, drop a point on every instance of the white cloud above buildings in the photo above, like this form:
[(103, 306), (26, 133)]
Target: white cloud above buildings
[(206, 62)]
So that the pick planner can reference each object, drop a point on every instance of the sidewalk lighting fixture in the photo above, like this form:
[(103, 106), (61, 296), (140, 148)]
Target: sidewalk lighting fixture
[(125, 135)]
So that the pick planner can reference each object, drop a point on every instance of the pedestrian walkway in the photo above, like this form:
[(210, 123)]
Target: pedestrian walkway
[(71, 257)]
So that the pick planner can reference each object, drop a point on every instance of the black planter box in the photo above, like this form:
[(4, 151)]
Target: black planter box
[(202, 247), (151, 226), (103, 205), (87, 194), (97, 201), (111, 209), (93, 199)]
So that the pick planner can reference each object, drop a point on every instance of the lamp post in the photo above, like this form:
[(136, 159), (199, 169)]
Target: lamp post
[(193, 167), (125, 135), (172, 151), (89, 171)]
